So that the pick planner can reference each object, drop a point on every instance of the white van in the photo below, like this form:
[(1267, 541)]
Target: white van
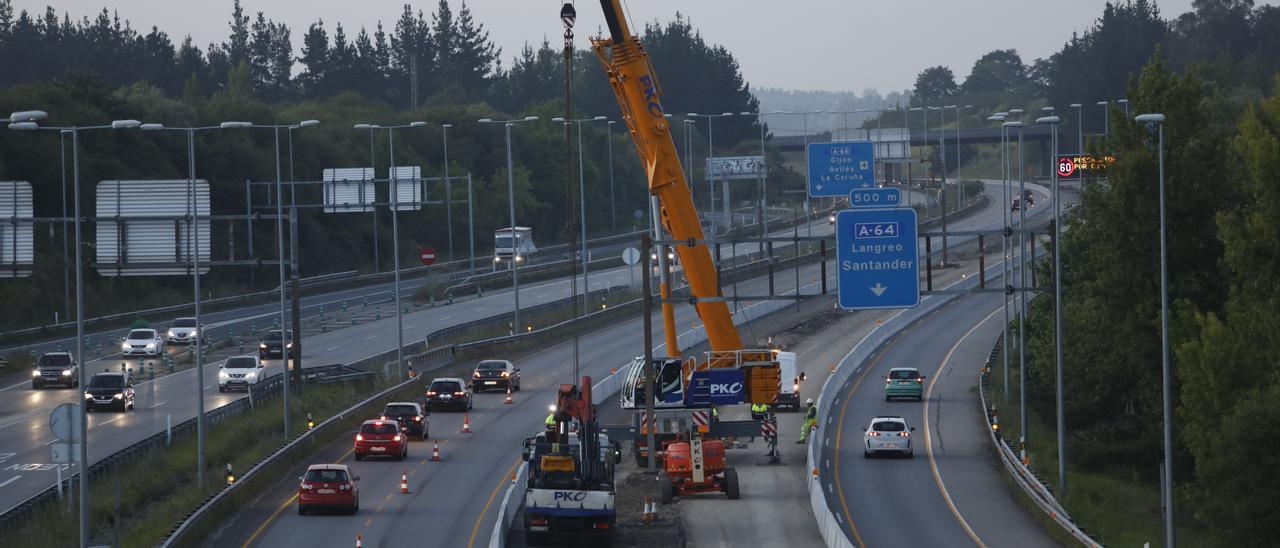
[(789, 381)]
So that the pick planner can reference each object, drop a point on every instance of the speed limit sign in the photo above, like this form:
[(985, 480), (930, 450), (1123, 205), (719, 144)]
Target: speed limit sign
[(1066, 166)]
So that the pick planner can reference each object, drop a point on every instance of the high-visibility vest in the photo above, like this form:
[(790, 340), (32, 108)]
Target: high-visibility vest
[(551, 419), (759, 408)]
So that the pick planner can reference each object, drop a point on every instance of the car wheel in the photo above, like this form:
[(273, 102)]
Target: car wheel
[(866, 454), (517, 388), (302, 510), (359, 456), (536, 539), (911, 454), (666, 491), (222, 389), (353, 509), (731, 484), (35, 386), (886, 397)]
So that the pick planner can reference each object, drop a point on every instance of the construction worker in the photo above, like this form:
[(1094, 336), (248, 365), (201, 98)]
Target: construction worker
[(551, 421), (759, 411), (810, 421)]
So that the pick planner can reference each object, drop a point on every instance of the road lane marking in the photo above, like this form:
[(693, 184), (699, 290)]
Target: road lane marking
[(276, 514), (159, 404), (370, 337), (928, 443), (10, 480), (483, 511), (331, 349)]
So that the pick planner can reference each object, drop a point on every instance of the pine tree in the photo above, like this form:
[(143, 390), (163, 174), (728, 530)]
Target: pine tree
[(260, 53), (238, 47), (315, 59), (474, 56)]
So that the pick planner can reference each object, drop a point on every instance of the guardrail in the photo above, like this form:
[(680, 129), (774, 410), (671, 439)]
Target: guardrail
[(1030, 483), (511, 503)]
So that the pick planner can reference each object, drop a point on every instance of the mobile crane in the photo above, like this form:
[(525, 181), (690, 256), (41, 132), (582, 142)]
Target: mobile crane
[(728, 374)]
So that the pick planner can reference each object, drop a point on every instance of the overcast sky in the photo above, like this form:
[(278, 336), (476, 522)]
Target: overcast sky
[(848, 45)]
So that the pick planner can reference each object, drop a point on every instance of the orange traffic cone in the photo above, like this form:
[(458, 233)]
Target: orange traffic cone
[(508, 395), (359, 540), (466, 423), (435, 452), (404, 483)]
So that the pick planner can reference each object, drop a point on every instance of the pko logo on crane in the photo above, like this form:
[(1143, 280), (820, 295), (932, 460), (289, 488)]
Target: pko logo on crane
[(651, 96), (726, 388), (571, 496)]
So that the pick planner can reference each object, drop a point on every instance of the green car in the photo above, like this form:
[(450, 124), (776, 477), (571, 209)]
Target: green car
[(904, 382)]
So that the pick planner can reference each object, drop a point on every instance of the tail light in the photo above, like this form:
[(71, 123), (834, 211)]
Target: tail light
[(506, 374), (306, 486), (602, 525), (904, 434), (873, 434), (359, 437), (431, 393), (397, 438), (382, 418), (538, 521), (459, 393), (345, 487), (417, 418), (475, 375)]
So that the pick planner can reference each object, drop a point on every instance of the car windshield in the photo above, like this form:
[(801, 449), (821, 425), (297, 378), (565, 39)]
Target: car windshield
[(184, 322), (142, 334), (275, 335), (492, 365), (902, 374), (55, 360), (380, 428), (320, 476), (241, 363), (446, 386), (107, 381), (400, 410), (502, 241), (888, 426)]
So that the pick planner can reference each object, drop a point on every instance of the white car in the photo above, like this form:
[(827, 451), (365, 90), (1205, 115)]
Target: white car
[(888, 435), (183, 331), (240, 371), (142, 342)]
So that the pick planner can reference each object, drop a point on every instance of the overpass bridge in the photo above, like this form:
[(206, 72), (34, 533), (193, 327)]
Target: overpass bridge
[(1039, 135)]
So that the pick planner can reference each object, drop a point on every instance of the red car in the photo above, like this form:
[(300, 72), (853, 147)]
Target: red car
[(328, 485), (379, 438)]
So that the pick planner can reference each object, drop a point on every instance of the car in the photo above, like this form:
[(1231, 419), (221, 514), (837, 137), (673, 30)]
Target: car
[(448, 392), (495, 375), (831, 219), (888, 434), (271, 343), (1029, 197), (410, 416), (379, 438), (328, 485), (142, 342), (184, 330), (1015, 205), (904, 382), (109, 389), (240, 372), (55, 368)]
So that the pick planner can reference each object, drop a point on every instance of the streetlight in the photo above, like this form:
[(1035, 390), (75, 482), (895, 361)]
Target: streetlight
[(1106, 117), (1124, 102), (448, 192), (1053, 122), (1004, 241), (942, 155), (711, 153), (511, 205), (582, 197), (764, 196), (295, 274), (373, 164), (1156, 122), (805, 116), (1022, 279), (613, 211), (392, 180), (959, 181), (28, 121)]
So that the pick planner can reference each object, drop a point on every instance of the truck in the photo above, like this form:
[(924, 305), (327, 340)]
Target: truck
[(570, 490), (512, 245)]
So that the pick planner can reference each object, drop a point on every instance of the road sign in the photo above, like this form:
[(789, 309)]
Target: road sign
[(837, 168), (878, 257), (875, 197), (1066, 166), (64, 421), (64, 452), (428, 256), (630, 255)]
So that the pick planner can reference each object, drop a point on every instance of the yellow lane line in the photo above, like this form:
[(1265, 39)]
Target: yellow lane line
[(928, 438), (476, 528), (257, 532)]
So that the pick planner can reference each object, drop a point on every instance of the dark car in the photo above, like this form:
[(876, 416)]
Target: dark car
[(410, 416), (271, 345), (1029, 197), (58, 368), (448, 392), (495, 375), (379, 438), (1016, 204), (112, 390)]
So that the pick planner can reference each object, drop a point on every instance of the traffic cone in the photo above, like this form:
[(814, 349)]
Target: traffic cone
[(466, 423), (359, 541), (435, 452), (404, 483), (508, 401)]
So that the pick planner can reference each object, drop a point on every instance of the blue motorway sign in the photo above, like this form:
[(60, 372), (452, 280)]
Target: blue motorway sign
[(837, 168), (875, 198), (878, 258)]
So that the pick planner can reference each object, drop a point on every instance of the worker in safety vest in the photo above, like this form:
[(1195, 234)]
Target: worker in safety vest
[(759, 411), (810, 421), (551, 421)]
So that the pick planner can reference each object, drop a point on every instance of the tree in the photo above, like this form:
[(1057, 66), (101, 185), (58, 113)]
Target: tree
[(934, 84), (315, 60), (1000, 71), (237, 47)]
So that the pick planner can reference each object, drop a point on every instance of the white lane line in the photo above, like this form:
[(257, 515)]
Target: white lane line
[(208, 388), (8, 481), (159, 404), (829, 488), (370, 337), (17, 420), (104, 423), (14, 386), (331, 349), (446, 317), (410, 326)]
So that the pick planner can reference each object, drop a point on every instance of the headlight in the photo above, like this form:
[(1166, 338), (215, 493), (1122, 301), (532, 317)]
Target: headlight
[(223, 375), (35, 372), (262, 346), (118, 396), (88, 396), (172, 334), (66, 372), (124, 345), (151, 345), (290, 345), (251, 375)]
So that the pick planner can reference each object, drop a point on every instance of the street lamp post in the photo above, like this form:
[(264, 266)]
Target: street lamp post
[(711, 181), (1004, 241), (1157, 120), (1022, 275), (448, 193), (1106, 117), (942, 173), (613, 201), (764, 196), (804, 115), (295, 271), (1053, 122), (582, 199), (1124, 102), (511, 205), (373, 164)]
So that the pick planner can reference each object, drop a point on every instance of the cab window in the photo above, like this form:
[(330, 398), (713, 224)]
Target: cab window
[(888, 426), (323, 476)]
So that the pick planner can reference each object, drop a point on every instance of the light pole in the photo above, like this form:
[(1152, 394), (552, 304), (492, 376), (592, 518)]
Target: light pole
[(1022, 275), (295, 273), (448, 193), (711, 181), (1004, 241), (582, 198), (959, 181), (764, 183), (1053, 122), (27, 121), (879, 130), (942, 173), (613, 210), (511, 205), (1106, 117), (1156, 122), (804, 115), (1124, 102)]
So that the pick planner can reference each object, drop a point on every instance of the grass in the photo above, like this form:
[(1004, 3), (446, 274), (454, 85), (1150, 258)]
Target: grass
[(1114, 506)]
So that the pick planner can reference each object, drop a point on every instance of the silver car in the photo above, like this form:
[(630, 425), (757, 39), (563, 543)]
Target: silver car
[(142, 342), (183, 331), (888, 435)]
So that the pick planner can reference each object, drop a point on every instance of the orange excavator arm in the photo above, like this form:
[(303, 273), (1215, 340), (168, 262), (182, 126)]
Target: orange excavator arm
[(640, 97)]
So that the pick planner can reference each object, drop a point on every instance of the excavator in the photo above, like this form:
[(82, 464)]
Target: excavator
[(729, 373)]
